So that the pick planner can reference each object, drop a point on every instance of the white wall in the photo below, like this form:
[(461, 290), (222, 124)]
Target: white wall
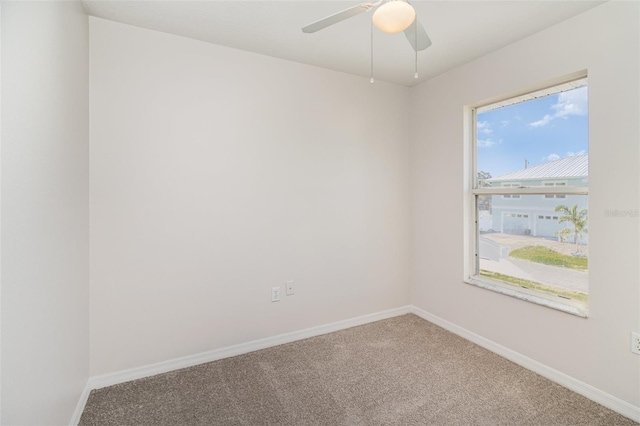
[(604, 40), (45, 216), (217, 174)]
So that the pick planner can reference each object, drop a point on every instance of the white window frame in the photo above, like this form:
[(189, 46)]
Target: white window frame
[(471, 270)]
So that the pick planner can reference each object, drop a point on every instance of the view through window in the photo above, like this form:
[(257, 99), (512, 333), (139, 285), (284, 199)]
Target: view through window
[(530, 187)]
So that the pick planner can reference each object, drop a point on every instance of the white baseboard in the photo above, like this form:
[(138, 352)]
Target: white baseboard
[(616, 404), (591, 392), (84, 396), (110, 379)]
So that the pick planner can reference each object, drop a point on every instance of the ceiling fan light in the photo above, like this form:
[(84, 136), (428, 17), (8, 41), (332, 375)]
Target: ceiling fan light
[(394, 16)]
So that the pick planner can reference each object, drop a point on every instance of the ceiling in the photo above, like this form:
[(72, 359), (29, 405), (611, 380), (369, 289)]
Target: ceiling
[(460, 30)]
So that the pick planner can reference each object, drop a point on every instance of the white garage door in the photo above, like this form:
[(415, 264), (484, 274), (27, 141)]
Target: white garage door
[(516, 224)]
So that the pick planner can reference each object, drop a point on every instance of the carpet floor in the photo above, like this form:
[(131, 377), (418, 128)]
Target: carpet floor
[(399, 371)]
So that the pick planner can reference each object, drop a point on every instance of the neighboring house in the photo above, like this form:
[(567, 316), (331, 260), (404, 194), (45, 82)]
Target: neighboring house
[(535, 215), (485, 221)]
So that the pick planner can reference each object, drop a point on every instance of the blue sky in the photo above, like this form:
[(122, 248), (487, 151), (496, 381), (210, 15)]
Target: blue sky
[(540, 130)]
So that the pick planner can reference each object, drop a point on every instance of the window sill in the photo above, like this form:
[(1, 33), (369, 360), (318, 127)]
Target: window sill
[(570, 307)]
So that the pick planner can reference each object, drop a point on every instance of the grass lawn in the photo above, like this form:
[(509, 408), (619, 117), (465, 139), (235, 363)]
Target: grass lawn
[(541, 254), (574, 295)]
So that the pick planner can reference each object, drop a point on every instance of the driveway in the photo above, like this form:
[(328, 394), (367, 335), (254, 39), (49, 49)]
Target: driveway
[(519, 241)]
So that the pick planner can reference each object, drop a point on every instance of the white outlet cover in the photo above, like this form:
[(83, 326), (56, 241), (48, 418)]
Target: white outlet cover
[(635, 343), (275, 294), (290, 288)]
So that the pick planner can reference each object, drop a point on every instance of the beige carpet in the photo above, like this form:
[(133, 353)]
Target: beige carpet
[(400, 371)]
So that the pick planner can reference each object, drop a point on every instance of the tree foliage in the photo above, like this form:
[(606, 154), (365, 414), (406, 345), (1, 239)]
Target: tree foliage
[(484, 201), (482, 178), (576, 218)]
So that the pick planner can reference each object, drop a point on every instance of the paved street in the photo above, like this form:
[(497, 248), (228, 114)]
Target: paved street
[(545, 274)]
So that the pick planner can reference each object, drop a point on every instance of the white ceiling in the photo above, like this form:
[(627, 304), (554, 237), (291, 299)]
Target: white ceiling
[(460, 30)]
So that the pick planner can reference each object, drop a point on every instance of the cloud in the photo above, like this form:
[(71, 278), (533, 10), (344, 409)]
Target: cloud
[(572, 102), (504, 123), (573, 154), (551, 157), (542, 122), (484, 127), (486, 143)]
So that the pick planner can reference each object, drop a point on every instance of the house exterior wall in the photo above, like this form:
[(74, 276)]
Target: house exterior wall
[(535, 215)]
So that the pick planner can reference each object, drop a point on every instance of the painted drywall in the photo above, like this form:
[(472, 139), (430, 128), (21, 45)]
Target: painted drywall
[(217, 174), (605, 41), (45, 210)]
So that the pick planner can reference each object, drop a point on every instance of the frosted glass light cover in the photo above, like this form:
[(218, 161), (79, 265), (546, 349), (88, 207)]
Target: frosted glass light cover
[(394, 16)]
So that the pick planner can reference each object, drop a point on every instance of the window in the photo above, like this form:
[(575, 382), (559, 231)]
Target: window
[(511, 184), (529, 173), (554, 184)]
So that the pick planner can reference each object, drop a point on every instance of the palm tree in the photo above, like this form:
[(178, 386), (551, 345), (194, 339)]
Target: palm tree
[(577, 218), (562, 235)]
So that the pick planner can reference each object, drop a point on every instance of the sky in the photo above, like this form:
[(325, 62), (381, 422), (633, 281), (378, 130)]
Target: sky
[(541, 130)]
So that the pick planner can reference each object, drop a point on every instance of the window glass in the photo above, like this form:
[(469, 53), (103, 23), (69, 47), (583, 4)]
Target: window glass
[(531, 160)]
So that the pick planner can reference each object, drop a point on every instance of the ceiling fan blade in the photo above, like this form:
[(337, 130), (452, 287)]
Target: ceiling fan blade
[(337, 17), (419, 41)]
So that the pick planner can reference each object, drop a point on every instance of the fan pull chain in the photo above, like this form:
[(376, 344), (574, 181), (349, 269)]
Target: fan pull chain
[(415, 23), (371, 80)]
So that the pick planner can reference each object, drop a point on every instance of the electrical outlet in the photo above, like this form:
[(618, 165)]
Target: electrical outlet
[(275, 294), (290, 288), (635, 343)]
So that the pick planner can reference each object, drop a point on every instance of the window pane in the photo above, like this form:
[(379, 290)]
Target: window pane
[(541, 142), (536, 243)]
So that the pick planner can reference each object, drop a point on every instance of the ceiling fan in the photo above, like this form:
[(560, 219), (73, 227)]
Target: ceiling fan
[(390, 16)]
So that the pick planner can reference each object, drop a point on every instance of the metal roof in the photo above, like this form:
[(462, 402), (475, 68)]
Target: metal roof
[(567, 167)]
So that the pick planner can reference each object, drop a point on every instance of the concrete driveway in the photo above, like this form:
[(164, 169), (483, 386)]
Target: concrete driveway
[(519, 241)]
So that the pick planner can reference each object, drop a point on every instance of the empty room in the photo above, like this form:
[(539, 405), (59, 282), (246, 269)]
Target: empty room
[(320, 212)]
